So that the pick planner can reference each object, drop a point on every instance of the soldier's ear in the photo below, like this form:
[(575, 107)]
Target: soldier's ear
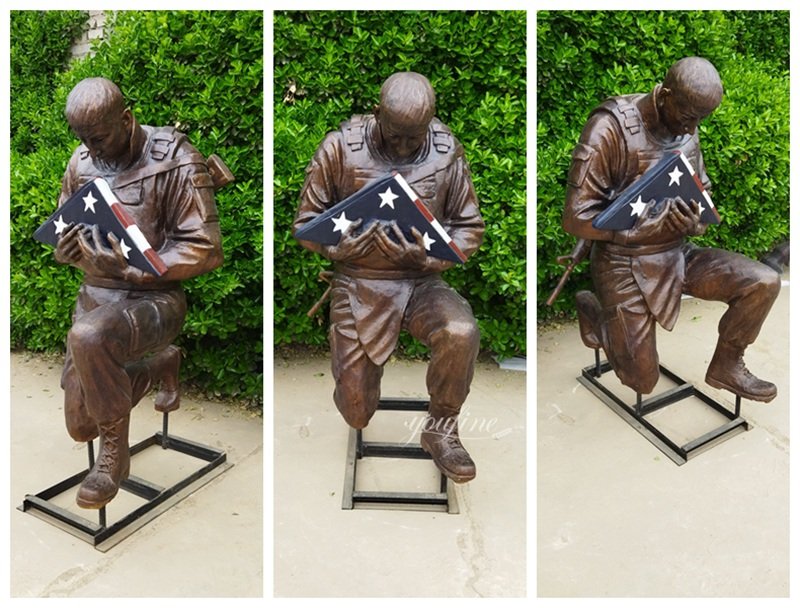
[(662, 95), (127, 118)]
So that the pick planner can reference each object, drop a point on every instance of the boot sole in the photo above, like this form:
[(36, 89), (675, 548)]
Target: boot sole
[(94, 505), (751, 397), (83, 504)]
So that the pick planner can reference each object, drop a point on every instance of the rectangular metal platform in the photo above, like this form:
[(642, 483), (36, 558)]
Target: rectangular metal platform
[(158, 499), (635, 414), (444, 500)]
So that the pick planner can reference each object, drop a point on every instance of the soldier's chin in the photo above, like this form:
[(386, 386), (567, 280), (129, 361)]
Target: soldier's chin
[(106, 166)]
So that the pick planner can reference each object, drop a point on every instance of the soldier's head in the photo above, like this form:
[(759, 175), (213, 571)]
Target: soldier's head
[(406, 108), (691, 90), (97, 114)]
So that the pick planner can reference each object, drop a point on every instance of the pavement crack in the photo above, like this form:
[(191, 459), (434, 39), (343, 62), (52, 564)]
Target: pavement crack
[(472, 547), (73, 579)]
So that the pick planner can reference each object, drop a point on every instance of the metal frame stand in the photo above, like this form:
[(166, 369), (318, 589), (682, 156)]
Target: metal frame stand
[(159, 499), (635, 415), (443, 500)]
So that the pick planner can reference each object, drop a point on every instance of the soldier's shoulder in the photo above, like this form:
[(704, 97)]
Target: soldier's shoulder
[(352, 132), (167, 142), (443, 140)]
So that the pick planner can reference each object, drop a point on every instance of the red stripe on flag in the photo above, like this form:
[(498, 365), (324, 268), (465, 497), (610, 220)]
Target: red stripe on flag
[(421, 206), (458, 251), (122, 215), (156, 261)]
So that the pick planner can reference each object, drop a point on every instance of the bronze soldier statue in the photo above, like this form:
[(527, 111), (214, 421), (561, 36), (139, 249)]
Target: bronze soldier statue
[(125, 319), (640, 274), (380, 285)]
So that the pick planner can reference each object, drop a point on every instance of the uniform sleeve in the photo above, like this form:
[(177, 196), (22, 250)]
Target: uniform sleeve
[(69, 183), (463, 221), (595, 175), (320, 190), (193, 243)]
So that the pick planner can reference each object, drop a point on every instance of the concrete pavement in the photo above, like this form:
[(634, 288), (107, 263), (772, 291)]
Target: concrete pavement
[(208, 545), (617, 518), (321, 550)]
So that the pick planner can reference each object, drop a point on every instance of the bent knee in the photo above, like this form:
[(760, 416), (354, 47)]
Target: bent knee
[(83, 335), (463, 333), (356, 407), (770, 281)]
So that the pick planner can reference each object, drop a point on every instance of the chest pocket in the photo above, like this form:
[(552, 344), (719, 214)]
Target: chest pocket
[(130, 195), (648, 158)]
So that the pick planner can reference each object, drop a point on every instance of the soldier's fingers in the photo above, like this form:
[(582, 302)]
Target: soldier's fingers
[(354, 225), (83, 243), (399, 233), (98, 242), (116, 247)]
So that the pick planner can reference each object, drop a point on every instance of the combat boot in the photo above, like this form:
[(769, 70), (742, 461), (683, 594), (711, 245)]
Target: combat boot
[(440, 439), (165, 367), (727, 370), (589, 312), (111, 467)]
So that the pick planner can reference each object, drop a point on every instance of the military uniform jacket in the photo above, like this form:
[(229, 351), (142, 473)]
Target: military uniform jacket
[(345, 162), (169, 193), (614, 149)]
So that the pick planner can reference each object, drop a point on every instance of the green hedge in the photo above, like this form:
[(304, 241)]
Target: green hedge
[(584, 57), (200, 71), (330, 65)]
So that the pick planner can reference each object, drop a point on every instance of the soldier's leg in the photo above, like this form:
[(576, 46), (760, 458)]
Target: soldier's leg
[(627, 328), (442, 320), (104, 343), (80, 425), (357, 378), (629, 342), (750, 289)]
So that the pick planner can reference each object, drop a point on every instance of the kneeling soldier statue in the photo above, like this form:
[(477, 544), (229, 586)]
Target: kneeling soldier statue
[(125, 319), (639, 274), (384, 282)]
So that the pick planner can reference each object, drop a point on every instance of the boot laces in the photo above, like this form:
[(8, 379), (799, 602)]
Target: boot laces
[(109, 453)]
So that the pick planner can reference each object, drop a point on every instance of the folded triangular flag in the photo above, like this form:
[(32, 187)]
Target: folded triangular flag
[(95, 203), (671, 177), (385, 199)]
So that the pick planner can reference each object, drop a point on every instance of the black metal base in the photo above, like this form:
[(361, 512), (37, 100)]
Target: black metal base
[(635, 414), (443, 500), (159, 499)]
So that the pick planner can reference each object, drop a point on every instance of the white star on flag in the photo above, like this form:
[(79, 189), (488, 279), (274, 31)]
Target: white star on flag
[(428, 241), (60, 224), (89, 202), (341, 223), (125, 249), (637, 208), (387, 198), (675, 176)]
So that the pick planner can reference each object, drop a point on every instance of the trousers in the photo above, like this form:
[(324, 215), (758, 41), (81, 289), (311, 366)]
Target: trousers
[(749, 288), (113, 330), (435, 315)]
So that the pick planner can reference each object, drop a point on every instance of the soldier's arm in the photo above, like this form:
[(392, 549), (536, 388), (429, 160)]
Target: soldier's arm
[(319, 193), (597, 162), (193, 243), (462, 217)]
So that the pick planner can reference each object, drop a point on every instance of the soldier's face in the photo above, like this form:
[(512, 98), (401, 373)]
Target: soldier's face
[(401, 142), (107, 139), (680, 114)]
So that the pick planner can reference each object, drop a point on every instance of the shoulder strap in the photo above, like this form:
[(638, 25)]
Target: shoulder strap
[(353, 131), (137, 175)]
